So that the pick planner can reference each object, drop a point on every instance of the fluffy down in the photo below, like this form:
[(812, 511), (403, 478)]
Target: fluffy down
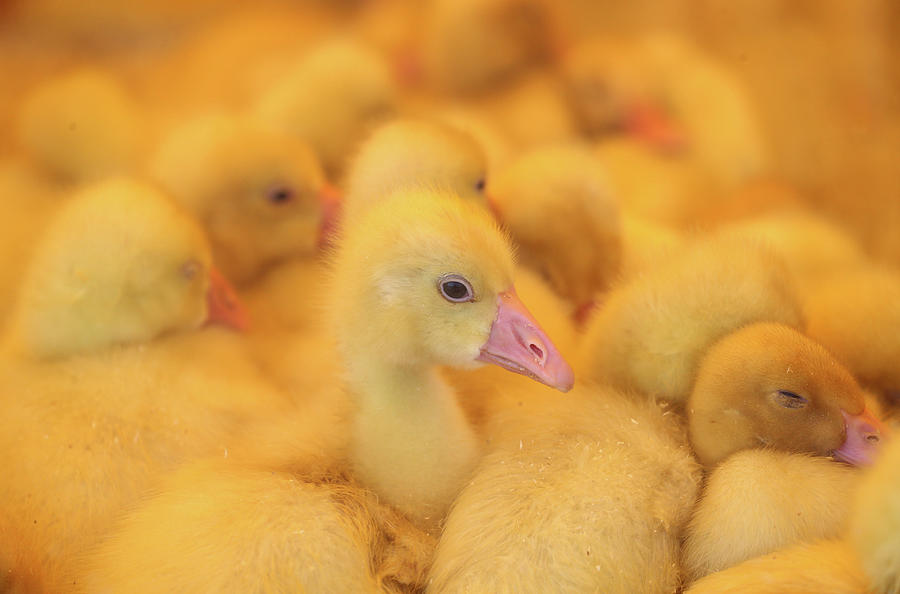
[(651, 332), (589, 494)]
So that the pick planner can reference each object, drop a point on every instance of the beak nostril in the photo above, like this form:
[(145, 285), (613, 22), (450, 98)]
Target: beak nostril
[(538, 352), (873, 438)]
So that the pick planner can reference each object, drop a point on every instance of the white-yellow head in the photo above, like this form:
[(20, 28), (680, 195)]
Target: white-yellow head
[(426, 278)]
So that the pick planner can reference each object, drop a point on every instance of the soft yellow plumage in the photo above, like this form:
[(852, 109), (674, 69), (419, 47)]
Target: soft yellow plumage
[(104, 383), (651, 333)]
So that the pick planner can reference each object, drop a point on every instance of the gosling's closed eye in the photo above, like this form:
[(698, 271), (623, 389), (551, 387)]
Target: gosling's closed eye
[(789, 399)]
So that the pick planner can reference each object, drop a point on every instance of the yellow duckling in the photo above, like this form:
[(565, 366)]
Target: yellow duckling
[(329, 100), (767, 406), (410, 154), (651, 332), (423, 280), (106, 378)]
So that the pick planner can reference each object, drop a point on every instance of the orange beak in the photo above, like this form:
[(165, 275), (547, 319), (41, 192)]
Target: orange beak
[(648, 123), (222, 304), (330, 201)]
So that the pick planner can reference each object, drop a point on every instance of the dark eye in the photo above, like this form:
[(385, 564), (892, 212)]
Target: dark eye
[(789, 399), (280, 195), (455, 288), (479, 185), (190, 269)]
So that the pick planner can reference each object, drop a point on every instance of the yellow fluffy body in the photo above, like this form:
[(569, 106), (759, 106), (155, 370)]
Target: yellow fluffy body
[(651, 332), (759, 501), (826, 567), (238, 531), (585, 493), (812, 247)]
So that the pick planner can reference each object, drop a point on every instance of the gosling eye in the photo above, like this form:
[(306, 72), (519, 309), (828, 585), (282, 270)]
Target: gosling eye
[(190, 269), (455, 288), (789, 399), (280, 194), (480, 184)]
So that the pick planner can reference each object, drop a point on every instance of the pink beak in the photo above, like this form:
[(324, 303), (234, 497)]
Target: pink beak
[(330, 201), (222, 304), (863, 442), (518, 344), (649, 124)]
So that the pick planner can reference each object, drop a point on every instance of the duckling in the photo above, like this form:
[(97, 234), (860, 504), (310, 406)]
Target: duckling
[(812, 247), (329, 100), (423, 280), (652, 331), (861, 560), (81, 126), (446, 158), (97, 396), (767, 406), (589, 494), (260, 195), (853, 314), (408, 152), (415, 454), (559, 208)]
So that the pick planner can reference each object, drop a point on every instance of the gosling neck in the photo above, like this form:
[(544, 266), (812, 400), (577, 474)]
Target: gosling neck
[(411, 441)]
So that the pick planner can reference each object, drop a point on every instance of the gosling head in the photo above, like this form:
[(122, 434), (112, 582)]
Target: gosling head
[(425, 278), (261, 196), (410, 152), (119, 264), (610, 88), (767, 385)]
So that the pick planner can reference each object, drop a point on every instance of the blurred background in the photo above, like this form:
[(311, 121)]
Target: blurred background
[(821, 78)]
